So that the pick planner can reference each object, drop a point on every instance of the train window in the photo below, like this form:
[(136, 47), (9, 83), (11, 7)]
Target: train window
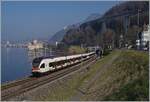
[(50, 65), (43, 65), (36, 62), (61, 62)]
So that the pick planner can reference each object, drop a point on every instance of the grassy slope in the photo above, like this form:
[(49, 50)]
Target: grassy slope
[(125, 78), (135, 65), (76, 49)]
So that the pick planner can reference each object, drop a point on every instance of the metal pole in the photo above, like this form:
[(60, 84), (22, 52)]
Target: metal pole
[(138, 20)]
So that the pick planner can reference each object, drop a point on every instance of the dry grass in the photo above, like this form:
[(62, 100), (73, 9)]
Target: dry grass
[(134, 66), (76, 50)]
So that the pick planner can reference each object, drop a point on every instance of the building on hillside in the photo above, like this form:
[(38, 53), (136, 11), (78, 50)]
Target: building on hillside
[(142, 42), (145, 38)]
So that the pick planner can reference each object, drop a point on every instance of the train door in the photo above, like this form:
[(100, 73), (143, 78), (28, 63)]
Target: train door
[(44, 67), (51, 66), (65, 63)]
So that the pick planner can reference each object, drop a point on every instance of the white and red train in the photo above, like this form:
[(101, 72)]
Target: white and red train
[(43, 65)]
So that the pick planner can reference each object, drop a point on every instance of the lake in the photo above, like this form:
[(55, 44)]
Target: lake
[(16, 62)]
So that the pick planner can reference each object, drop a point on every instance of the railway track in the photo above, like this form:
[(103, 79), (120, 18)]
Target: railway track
[(22, 86), (16, 83)]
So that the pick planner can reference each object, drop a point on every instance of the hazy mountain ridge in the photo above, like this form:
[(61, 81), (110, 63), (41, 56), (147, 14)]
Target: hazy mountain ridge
[(93, 16), (58, 36), (90, 33)]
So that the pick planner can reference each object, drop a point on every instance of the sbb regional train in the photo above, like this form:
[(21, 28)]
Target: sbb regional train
[(43, 65)]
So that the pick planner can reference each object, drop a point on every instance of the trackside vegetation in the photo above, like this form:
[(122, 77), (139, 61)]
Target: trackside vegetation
[(76, 49)]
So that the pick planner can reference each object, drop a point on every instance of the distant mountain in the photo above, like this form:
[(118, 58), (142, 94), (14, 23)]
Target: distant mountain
[(93, 16), (96, 32), (58, 36)]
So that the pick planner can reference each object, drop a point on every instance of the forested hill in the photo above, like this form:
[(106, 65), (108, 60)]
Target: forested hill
[(98, 33)]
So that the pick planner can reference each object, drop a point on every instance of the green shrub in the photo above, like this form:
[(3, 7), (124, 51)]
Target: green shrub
[(106, 52)]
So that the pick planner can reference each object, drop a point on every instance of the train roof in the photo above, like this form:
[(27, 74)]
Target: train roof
[(53, 58)]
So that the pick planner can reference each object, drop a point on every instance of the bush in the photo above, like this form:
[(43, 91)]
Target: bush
[(106, 52)]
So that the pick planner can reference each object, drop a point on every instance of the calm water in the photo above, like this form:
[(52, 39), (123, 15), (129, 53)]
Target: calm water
[(16, 64)]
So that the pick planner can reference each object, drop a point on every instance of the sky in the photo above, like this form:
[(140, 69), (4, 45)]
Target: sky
[(27, 20)]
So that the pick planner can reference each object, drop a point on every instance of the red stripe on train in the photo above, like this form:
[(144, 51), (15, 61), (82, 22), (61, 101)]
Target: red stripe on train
[(35, 68)]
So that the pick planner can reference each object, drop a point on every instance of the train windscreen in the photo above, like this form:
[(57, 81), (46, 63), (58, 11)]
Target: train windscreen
[(36, 62)]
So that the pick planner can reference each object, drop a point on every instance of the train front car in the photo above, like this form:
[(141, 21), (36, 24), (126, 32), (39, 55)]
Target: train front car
[(35, 66)]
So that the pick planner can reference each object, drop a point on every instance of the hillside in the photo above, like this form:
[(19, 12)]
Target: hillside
[(97, 33), (58, 36), (92, 17)]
